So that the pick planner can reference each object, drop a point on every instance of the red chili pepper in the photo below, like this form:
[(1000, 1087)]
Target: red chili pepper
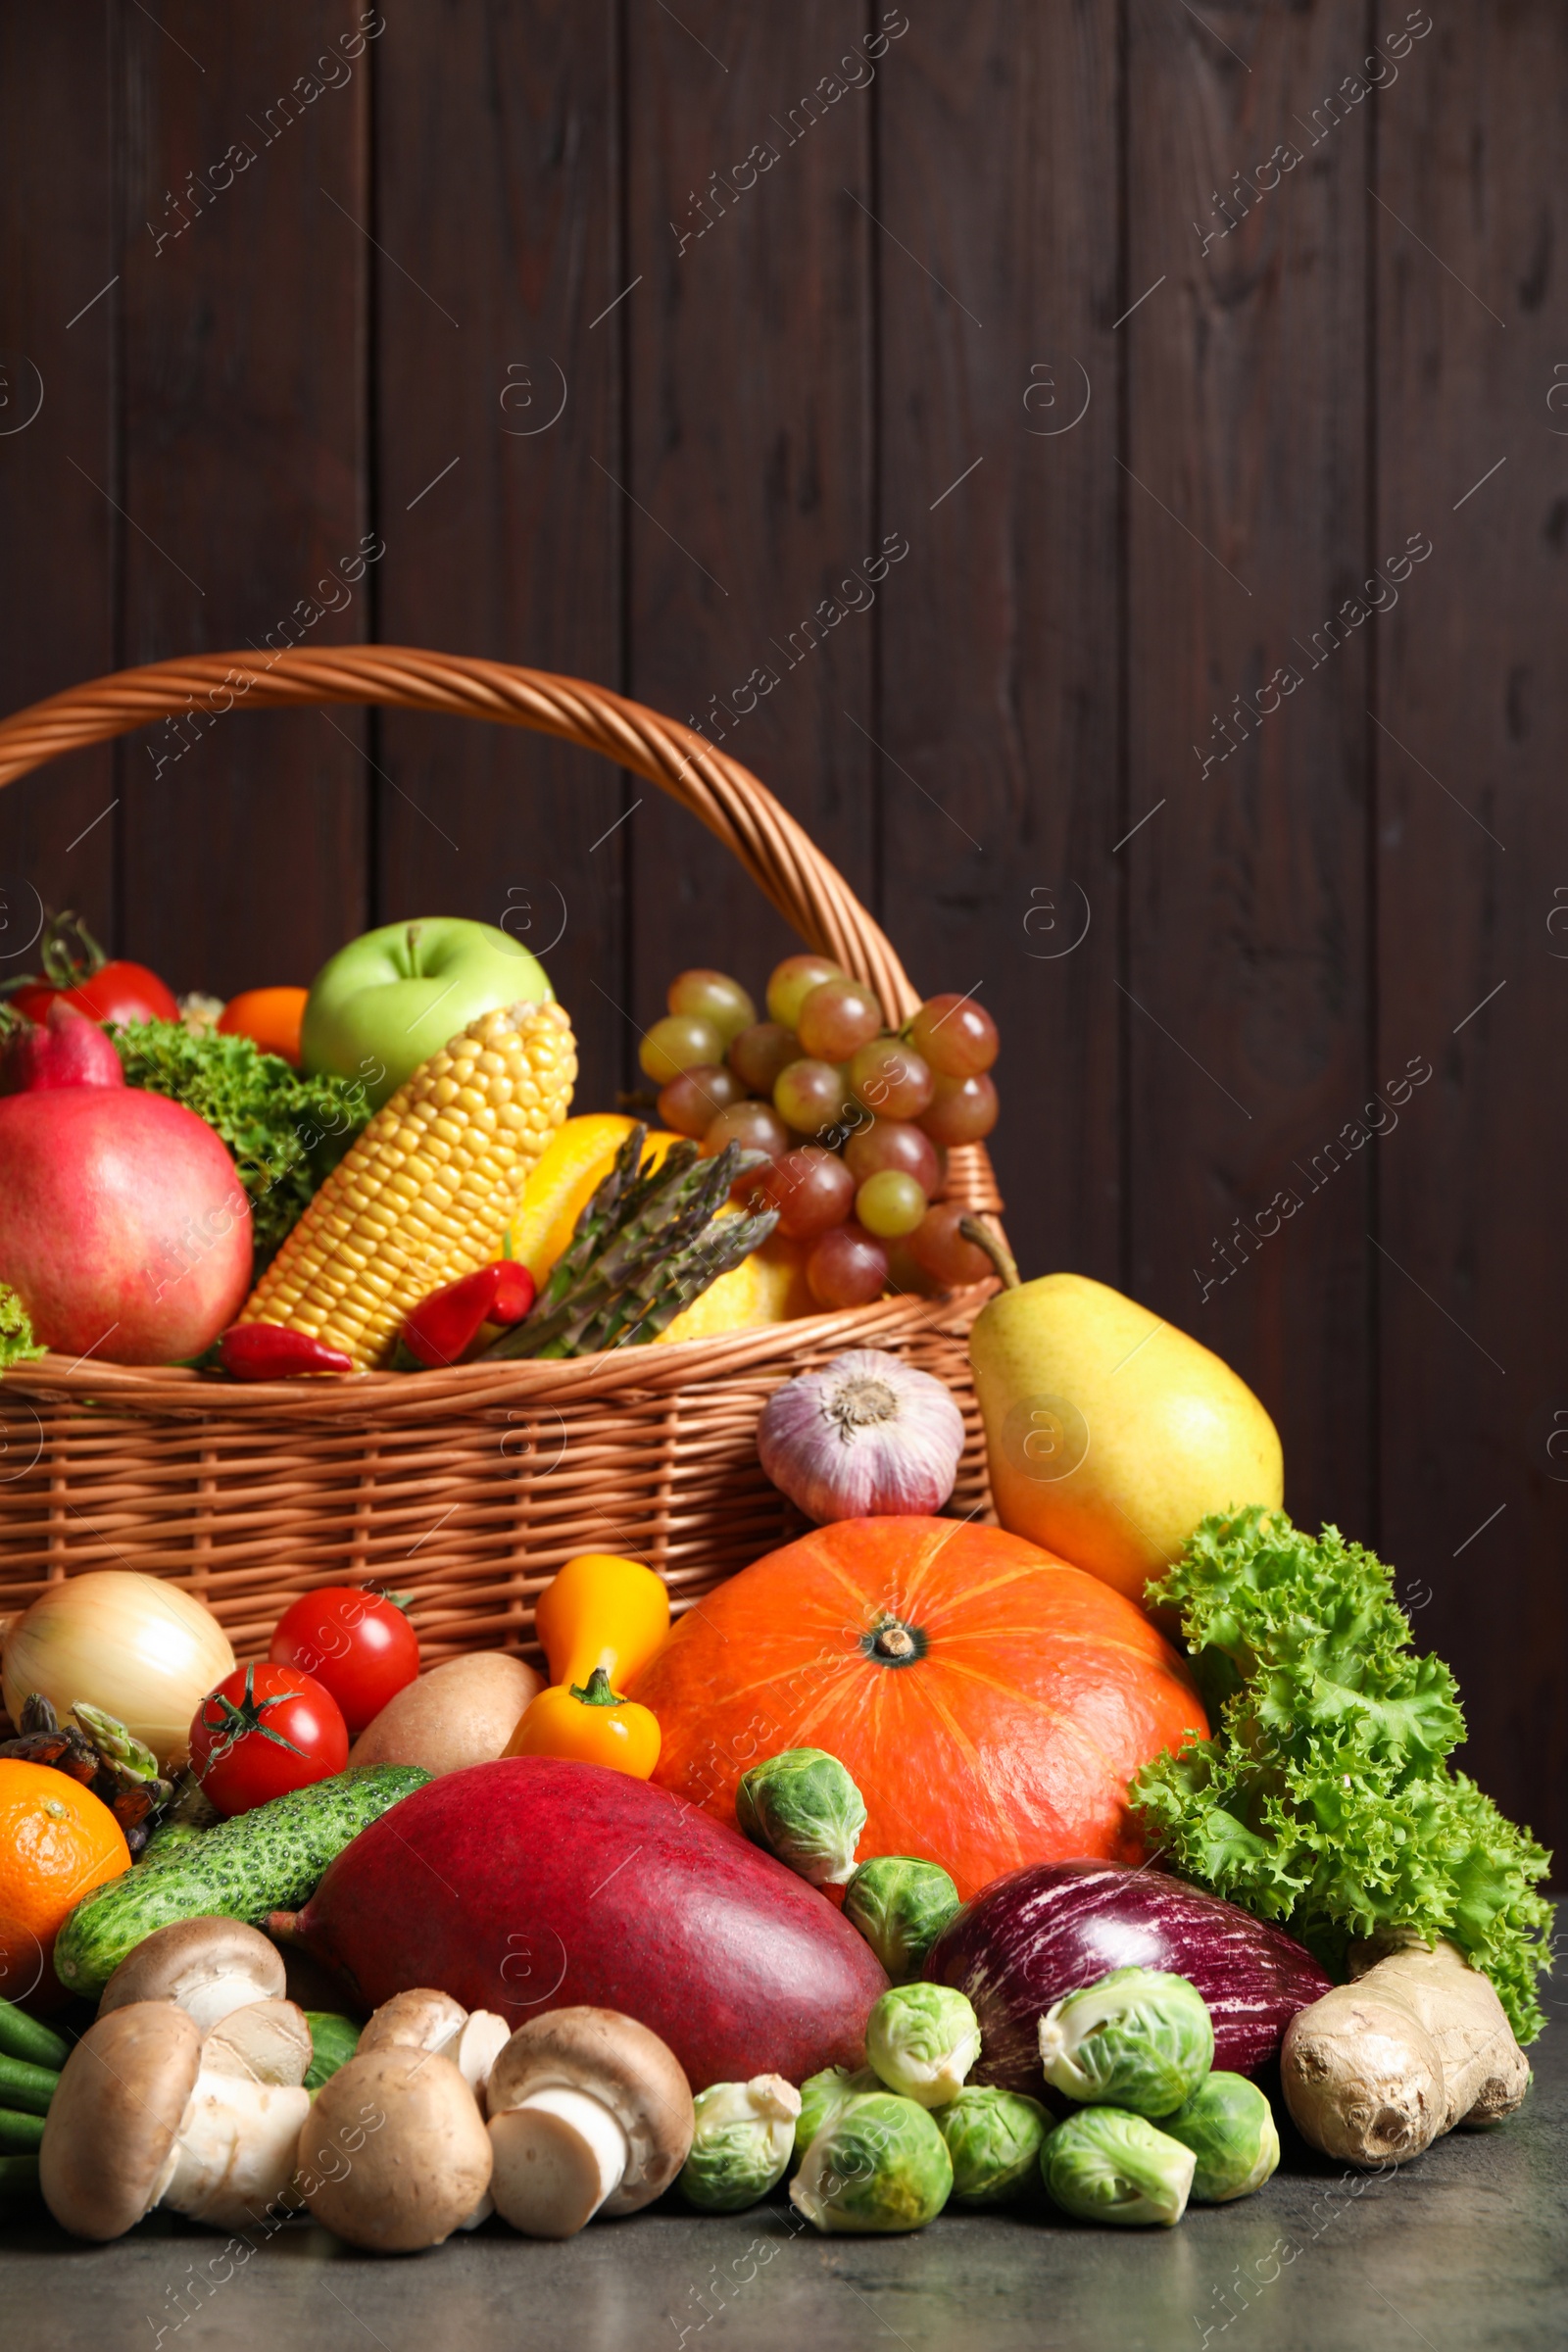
[(270, 1352), (443, 1326)]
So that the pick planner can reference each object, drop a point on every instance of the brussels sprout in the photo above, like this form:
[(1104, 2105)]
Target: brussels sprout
[(900, 1907), (822, 2097), (879, 2165), (1138, 2038), (994, 2139), (1229, 2125), (922, 2039), (804, 1807), (1104, 2165), (743, 2140)]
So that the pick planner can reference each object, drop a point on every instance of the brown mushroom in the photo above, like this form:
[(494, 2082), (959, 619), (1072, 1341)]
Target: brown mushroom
[(208, 1966), (138, 2120), (420, 2019), (589, 2112), (395, 2155), (424, 2019), (109, 2137)]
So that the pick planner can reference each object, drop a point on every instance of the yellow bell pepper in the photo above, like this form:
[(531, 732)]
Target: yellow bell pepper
[(600, 1621)]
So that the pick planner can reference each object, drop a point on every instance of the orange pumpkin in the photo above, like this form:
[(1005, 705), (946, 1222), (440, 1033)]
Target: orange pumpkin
[(989, 1702)]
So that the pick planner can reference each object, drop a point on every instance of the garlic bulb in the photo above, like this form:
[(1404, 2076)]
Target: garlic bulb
[(867, 1437)]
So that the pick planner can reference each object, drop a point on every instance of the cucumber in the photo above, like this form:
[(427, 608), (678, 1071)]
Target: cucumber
[(21, 2036), (19, 2135), (174, 1837), (334, 2042), (19, 2176), (266, 1860), (29, 2088)]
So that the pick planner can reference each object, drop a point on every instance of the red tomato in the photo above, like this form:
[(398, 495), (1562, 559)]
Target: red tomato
[(263, 1730), (358, 1645), (119, 992)]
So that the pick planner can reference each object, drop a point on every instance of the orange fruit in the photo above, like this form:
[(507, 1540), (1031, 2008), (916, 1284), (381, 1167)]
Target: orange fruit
[(57, 1843), (269, 1015)]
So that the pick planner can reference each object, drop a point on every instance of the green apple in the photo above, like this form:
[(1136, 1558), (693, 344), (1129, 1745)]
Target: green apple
[(391, 998)]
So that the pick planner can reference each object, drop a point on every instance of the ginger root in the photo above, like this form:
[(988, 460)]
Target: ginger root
[(1417, 2042)]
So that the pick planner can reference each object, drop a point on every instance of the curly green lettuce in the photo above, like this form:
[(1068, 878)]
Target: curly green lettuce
[(17, 1343), (1325, 1800), (286, 1131)]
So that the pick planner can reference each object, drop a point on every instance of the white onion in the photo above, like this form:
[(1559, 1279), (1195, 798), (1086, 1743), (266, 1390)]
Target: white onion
[(143, 1650), (868, 1436)]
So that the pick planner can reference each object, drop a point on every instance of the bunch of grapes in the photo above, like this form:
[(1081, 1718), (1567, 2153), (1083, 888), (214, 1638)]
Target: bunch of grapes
[(854, 1120)]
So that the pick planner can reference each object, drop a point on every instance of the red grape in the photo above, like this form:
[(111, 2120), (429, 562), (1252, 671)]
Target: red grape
[(838, 1018), (895, 1143), (810, 1189), (755, 1126), (957, 1036), (809, 1095), (846, 1268), (691, 1102), (961, 1110), (793, 981), (713, 996), (940, 1247), (678, 1043), (889, 1078), (760, 1052), (890, 1205)]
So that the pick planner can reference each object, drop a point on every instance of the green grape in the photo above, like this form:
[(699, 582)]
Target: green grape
[(791, 982), (713, 996), (676, 1043), (890, 1205)]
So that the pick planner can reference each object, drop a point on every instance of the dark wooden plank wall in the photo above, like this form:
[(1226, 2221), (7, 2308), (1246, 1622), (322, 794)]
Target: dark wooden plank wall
[(1151, 339)]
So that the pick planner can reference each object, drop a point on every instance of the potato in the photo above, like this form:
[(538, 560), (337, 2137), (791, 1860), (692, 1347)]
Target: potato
[(460, 1713)]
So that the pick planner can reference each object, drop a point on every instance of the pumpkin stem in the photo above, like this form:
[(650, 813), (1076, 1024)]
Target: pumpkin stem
[(893, 1644), (995, 1248)]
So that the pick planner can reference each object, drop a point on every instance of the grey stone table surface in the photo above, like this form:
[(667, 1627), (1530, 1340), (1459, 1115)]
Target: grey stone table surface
[(1463, 2250)]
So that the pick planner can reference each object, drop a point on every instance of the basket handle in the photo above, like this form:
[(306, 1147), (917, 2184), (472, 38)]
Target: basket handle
[(738, 809), (780, 856)]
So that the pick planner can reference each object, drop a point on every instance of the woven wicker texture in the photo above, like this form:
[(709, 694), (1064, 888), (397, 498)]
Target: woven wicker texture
[(468, 1487)]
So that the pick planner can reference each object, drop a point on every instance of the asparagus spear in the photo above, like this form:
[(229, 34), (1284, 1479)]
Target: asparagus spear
[(648, 1242)]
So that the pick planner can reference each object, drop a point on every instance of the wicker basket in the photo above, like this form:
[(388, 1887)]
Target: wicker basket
[(468, 1487)]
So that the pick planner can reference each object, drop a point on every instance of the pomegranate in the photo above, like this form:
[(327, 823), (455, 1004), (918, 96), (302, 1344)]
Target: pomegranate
[(62, 1048), (125, 1229), (535, 1884)]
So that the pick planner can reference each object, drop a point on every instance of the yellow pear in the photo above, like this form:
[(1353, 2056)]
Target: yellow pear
[(1109, 1433)]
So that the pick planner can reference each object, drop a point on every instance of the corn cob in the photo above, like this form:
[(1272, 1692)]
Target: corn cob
[(426, 1194)]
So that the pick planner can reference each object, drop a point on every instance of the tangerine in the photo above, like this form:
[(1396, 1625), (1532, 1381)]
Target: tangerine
[(57, 1843)]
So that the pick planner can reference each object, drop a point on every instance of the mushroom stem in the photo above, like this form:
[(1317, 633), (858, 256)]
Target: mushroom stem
[(559, 2155), (237, 2149)]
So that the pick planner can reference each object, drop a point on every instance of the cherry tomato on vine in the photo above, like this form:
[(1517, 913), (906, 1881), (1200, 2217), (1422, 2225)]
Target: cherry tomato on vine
[(263, 1730), (356, 1645)]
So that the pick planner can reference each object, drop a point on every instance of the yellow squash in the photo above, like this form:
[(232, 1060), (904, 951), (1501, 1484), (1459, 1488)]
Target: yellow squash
[(600, 1621), (573, 1166)]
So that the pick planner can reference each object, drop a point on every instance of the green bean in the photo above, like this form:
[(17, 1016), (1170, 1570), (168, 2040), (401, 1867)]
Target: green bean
[(21, 2036), (30, 2087), (19, 2135)]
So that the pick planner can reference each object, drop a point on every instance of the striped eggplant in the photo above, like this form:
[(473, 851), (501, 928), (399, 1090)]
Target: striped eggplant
[(1038, 1934)]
